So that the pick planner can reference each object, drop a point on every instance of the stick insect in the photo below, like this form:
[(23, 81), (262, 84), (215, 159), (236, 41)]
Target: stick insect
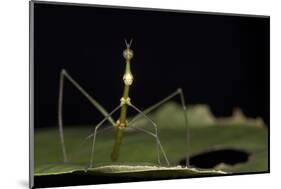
[(122, 122)]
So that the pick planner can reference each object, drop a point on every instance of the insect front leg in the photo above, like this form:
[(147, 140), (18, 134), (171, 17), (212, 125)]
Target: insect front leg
[(64, 75)]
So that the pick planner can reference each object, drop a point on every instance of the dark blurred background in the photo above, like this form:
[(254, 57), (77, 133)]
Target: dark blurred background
[(219, 60)]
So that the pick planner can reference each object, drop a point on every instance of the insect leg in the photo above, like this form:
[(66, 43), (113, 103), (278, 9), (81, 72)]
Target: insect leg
[(63, 75), (95, 133), (156, 132), (188, 146), (156, 105), (157, 141)]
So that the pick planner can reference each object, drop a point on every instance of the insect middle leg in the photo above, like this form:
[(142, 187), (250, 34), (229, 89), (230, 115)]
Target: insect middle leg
[(155, 135), (178, 92)]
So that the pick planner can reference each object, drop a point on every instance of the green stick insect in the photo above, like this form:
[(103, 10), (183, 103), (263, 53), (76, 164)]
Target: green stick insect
[(122, 123)]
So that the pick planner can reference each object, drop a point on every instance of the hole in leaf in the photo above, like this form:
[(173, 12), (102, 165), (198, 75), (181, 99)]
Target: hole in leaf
[(213, 158)]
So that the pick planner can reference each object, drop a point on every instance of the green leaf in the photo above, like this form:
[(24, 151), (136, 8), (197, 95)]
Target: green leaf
[(143, 171), (138, 156)]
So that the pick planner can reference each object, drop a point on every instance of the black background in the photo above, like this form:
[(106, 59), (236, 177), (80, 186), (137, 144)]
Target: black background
[(219, 60)]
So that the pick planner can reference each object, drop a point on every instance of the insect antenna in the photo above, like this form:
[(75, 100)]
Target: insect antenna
[(128, 45)]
